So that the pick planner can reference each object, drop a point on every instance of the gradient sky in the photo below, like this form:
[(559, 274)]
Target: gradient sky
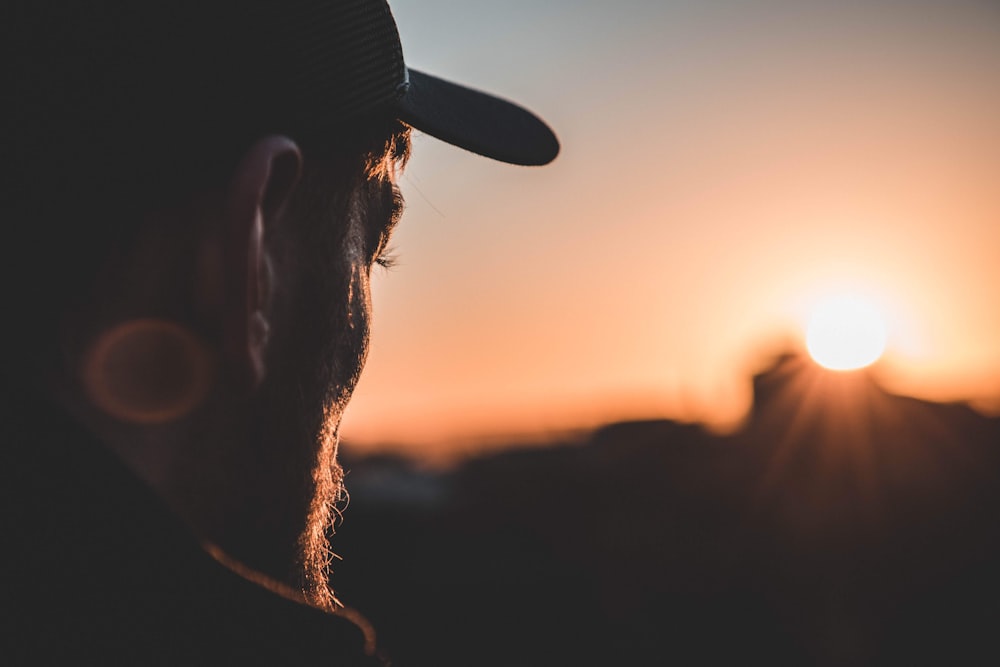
[(725, 165)]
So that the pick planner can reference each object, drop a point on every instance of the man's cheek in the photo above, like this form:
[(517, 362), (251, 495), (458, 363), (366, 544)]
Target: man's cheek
[(352, 343)]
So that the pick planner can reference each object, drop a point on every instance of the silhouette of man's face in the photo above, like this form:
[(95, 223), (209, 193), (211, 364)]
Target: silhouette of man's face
[(322, 252)]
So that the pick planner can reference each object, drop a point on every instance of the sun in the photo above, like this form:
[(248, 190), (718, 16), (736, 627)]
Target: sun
[(845, 333)]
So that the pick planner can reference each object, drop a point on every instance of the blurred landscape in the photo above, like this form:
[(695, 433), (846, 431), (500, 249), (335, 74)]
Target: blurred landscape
[(727, 166), (840, 525)]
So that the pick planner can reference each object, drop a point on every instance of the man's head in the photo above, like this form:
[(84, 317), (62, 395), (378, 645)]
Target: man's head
[(204, 189)]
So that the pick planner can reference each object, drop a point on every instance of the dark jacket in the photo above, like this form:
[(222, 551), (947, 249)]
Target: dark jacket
[(98, 571)]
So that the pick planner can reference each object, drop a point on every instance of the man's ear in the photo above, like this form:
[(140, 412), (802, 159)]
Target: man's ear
[(261, 186)]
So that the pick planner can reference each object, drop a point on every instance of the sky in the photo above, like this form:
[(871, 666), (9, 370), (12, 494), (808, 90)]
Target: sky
[(725, 166)]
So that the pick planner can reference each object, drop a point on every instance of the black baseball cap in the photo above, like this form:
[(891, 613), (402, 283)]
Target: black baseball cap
[(131, 73)]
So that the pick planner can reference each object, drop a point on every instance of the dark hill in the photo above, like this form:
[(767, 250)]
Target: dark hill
[(841, 526)]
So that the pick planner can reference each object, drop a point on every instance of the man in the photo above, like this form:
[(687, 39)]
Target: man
[(195, 194)]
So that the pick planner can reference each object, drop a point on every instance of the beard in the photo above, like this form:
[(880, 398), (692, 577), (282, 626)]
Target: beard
[(291, 483)]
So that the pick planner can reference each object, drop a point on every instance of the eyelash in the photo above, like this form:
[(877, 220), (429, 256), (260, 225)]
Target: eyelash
[(388, 258)]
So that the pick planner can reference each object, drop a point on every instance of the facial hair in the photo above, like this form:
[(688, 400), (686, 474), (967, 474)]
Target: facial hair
[(318, 347)]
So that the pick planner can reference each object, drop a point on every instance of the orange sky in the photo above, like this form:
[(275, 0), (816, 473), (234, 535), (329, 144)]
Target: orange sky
[(725, 165)]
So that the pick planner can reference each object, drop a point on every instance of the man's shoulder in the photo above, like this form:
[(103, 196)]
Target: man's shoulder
[(98, 567)]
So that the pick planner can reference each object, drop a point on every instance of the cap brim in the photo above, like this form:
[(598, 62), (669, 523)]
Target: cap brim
[(476, 121)]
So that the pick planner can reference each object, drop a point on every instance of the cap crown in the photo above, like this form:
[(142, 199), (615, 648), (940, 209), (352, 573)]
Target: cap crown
[(139, 77)]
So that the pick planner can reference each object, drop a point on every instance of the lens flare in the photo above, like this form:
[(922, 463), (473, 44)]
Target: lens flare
[(846, 333)]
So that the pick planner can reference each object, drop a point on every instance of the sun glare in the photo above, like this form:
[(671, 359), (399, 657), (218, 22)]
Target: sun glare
[(845, 333)]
